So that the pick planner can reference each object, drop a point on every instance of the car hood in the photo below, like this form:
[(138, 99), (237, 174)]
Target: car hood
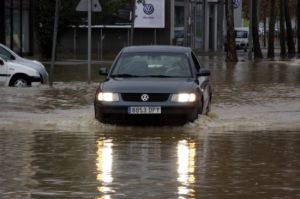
[(33, 64), (16, 68), (148, 85)]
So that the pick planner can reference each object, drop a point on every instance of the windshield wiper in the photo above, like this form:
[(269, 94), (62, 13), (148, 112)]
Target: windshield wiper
[(124, 75), (159, 76)]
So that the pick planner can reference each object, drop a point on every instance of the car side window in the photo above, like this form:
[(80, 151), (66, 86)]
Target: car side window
[(196, 62)]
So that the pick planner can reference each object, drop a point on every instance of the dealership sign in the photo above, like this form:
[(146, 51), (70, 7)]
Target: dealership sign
[(150, 14), (236, 3)]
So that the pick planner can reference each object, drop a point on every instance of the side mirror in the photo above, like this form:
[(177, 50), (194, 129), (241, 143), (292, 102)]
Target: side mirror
[(1, 62), (12, 57), (103, 71), (203, 72)]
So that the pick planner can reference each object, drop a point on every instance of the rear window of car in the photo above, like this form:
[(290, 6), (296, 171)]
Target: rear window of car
[(153, 64)]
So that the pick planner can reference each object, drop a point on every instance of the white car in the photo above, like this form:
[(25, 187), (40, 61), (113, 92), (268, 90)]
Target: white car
[(241, 38), (17, 75), (11, 57)]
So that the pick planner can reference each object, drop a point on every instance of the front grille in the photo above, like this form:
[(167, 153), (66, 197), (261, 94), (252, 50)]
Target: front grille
[(153, 97)]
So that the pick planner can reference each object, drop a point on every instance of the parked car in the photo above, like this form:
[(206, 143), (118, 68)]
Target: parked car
[(12, 57), (241, 39), (179, 36), (17, 75), (153, 83)]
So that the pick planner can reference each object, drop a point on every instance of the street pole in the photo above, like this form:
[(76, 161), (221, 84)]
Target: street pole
[(56, 17), (132, 22), (250, 38), (89, 38), (186, 22)]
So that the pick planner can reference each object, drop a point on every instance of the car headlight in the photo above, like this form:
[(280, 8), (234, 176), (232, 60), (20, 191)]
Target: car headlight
[(107, 97), (184, 97)]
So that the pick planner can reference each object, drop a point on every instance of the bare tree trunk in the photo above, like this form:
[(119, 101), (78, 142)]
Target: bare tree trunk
[(289, 30), (282, 30), (298, 25), (231, 49), (271, 53), (256, 44)]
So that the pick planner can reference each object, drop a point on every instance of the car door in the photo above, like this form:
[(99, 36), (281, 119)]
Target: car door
[(204, 83), (203, 80), (3, 72)]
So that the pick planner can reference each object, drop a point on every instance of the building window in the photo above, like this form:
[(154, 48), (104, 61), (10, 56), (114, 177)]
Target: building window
[(17, 25), (179, 16)]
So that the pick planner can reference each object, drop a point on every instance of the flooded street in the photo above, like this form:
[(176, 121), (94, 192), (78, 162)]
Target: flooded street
[(248, 147)]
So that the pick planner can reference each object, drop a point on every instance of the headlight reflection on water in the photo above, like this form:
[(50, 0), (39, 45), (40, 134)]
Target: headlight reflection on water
[(186, 153), (104, 167)]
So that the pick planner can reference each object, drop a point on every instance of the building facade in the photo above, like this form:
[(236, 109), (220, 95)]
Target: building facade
[(16, 30), (200, 24), (202, 21)]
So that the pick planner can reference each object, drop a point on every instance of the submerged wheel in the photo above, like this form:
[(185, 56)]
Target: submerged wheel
[(205, 107), (20, 81), (208, 107)]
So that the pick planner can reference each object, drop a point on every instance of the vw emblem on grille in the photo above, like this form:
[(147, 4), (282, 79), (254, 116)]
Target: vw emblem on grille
[(145, 97), (148, 9)]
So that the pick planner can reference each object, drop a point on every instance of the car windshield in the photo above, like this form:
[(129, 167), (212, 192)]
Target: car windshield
[(151, 64), (241, 34), (5, 54)]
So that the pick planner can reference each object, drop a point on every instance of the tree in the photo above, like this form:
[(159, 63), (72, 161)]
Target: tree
[(289, 30), (231, 50), (282, 30), (256, 44), (271, 53), (298, 25), (44, 20)]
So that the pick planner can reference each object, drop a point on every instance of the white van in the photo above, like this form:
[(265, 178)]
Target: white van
[(11, 56), (17, 75), (241, 38)]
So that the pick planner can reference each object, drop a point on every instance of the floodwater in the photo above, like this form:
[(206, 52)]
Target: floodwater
[(248, 147)]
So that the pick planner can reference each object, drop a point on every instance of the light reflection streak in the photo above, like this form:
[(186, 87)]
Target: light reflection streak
[(104, 167), (186, 153)]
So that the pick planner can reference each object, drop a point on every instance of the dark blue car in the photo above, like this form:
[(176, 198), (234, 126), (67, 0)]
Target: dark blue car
[(149, 84)]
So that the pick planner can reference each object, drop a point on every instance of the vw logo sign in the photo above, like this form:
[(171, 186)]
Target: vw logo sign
[(148, 9), (145, 97), (236, 3)]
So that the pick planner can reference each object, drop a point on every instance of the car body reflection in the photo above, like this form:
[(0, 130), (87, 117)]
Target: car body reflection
[(183, 163)]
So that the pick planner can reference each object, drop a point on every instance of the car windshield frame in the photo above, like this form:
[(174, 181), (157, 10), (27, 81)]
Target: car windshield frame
[(241, 34), (156, 66)]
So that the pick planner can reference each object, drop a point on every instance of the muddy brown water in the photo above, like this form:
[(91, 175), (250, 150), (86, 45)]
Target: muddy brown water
[(248, 147)]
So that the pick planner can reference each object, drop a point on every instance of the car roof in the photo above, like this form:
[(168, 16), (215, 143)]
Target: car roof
[(241, 28), (156, 48)]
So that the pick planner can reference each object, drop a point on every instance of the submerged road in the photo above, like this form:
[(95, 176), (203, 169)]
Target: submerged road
[(248, 147)]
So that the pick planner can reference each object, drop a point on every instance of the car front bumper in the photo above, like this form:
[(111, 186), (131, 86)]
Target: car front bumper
[(169, 113)]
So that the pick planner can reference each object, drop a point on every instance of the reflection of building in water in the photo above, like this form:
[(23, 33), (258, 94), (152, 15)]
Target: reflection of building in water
[(104, 167), (16, 157), (186, 153)]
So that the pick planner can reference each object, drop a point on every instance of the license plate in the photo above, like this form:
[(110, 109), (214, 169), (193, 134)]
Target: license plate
[(144, 110)]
